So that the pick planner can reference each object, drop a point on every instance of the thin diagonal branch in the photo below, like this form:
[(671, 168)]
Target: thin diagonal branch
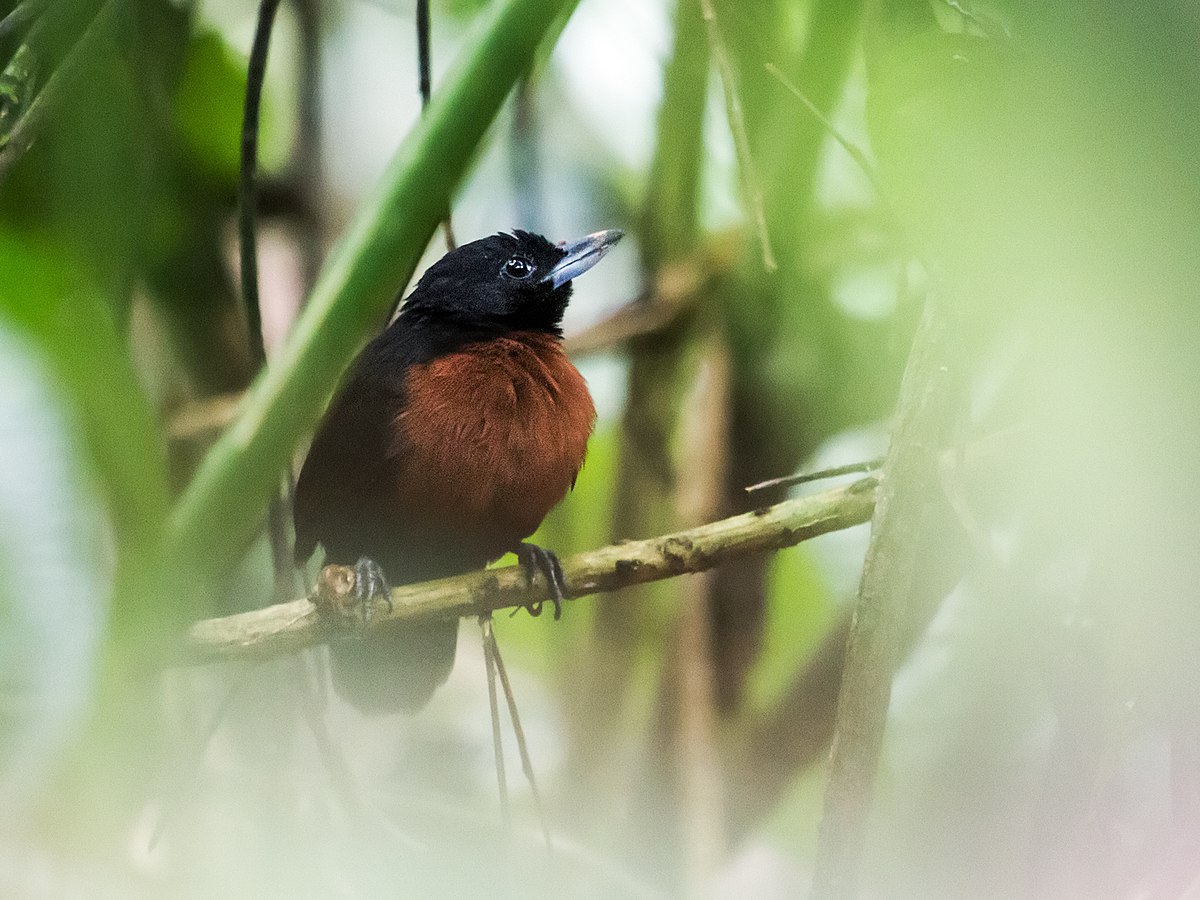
[(510, 700), (489, 658), (741, 141), (820, 475), (288, 627), (856, 153), (425, 86)]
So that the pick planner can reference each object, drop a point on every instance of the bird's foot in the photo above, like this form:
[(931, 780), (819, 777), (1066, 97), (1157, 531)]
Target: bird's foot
[(347, 595), (370, 584), (536, 559)]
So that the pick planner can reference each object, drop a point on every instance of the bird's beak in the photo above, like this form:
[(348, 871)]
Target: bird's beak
[(581, 255)]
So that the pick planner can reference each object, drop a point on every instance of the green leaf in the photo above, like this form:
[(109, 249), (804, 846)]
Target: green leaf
[(221, 508), (208, 105), (53, 579), (73, 329)]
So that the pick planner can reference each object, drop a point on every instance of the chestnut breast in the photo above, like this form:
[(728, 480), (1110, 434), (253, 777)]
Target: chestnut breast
[(491, 438)]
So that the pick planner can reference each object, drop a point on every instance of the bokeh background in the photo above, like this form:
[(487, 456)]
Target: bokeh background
[(1034, 167)]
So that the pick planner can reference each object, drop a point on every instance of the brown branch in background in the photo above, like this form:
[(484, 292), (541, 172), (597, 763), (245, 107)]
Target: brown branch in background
[(787, 739), (741, 141), (600, 678), (425, 86), (680, 801), (882, 616), (779, 421), (702, 810), (676, 290), (287, 627)]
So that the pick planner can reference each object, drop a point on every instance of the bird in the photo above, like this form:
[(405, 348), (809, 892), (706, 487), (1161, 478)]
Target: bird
[(453, 433)]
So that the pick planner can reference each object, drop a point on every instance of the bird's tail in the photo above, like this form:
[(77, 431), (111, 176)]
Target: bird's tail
[(396, 668)]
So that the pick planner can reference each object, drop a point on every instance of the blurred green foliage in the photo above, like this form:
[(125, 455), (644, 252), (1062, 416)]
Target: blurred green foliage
[(1040, 167), (208, 105)]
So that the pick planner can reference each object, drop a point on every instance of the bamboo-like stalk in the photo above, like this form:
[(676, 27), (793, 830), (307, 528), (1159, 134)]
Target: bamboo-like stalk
[(287, 627), (220, 510), (882, 610)]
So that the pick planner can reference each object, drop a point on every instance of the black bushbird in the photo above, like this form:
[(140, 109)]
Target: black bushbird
[(453, 434)]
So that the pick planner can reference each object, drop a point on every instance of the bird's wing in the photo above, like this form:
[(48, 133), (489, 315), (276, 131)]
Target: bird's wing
[(340, 480)]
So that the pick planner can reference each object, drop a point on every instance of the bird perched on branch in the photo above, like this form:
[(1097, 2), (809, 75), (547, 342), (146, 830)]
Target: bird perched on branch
[(454, 433)]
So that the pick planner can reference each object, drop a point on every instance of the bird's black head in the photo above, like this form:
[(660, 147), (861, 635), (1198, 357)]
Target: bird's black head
[(506, 282)]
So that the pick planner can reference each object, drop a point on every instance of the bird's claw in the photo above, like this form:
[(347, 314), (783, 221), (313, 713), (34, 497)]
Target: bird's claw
[(538, 559), (370, 584), (346, 596)]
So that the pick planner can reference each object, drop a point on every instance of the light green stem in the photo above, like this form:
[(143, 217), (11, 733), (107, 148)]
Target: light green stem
[(218, 514)]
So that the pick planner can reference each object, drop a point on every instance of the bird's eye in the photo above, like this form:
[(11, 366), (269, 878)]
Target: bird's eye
[(518, 268)]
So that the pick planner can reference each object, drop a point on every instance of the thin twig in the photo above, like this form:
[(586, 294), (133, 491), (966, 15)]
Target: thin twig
[(424, 82), (489, 659), (248, 187), (741, 141), (522, 748), (425, 86), (819, 475), (856, 152), (277, 513), (694, 722), (287, 627), (675, 290)]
